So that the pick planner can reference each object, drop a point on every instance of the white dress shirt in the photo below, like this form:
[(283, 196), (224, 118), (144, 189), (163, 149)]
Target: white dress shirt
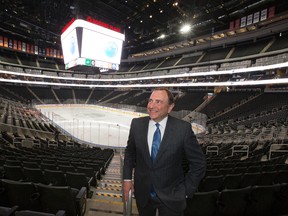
[(152, 128)]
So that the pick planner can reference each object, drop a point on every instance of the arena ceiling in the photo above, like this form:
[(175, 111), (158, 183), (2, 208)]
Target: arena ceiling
[(142, 21)]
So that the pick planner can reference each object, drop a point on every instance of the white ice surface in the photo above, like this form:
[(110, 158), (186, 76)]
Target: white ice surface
[(94, 124)]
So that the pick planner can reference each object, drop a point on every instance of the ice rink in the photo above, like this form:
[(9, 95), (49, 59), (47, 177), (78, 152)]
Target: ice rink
[(91, 123)]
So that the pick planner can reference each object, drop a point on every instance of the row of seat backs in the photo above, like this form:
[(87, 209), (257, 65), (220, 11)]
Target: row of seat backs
[(44, 198), (237, 181), (13, 211), (52, 155), (250, 201), (54, 165), (54, 177), (243, 169)]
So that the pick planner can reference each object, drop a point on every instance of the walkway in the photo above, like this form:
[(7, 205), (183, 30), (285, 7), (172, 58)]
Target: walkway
[(107, 197)]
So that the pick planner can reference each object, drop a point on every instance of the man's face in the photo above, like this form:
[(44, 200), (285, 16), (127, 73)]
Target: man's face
[(158, 107)]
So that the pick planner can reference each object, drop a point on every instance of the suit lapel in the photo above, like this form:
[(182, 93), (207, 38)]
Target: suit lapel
[(144, 138)]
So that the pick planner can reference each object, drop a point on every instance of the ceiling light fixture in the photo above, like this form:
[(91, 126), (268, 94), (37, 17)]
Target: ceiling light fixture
[(185, 28), (175, 4)]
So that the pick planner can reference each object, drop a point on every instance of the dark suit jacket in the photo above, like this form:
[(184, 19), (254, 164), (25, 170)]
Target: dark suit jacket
[(166, 174)]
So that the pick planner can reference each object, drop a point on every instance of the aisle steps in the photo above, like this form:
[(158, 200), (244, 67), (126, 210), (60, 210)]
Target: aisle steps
[(107, 196)]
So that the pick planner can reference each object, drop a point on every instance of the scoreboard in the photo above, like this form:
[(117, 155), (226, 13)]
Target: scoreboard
[(88, 44)]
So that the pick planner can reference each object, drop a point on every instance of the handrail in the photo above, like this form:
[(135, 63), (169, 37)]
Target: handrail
[(52, 143), (242, 149), (127, 211), (127, 207), (213, 149), (271, 150), (121, 163), (17, 140), (36, 142)]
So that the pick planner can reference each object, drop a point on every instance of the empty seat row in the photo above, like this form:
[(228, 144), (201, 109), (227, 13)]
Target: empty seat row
[(52, 177), (13, 211), (59, 155), (43, 198), (242, 170), (69, 167), (238, 163), (55, 165), (237, 181), (250, 201)]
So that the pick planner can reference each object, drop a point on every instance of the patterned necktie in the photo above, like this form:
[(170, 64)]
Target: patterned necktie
[(155, 147), (156, 142)]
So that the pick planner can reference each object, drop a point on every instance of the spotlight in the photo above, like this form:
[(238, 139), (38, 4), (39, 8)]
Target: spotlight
[(186, 28)]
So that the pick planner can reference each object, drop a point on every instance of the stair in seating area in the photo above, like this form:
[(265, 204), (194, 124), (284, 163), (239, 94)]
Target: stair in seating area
[(107, 196)]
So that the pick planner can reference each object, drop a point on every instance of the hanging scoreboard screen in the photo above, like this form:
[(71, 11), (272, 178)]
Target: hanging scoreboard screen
[(86, 43)]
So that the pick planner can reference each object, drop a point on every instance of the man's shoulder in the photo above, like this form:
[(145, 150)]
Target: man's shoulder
[(141, 119), (172, 118), (177, 121)]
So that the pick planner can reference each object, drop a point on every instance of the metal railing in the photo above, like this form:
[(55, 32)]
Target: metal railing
[(277, 148), (127, 211), (212, 149), (240, 149), (127, 207)]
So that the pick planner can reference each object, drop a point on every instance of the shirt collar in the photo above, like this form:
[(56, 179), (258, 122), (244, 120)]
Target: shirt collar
[(162, 123)]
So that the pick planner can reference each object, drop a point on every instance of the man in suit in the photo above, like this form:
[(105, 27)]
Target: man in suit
[(160, 183)]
